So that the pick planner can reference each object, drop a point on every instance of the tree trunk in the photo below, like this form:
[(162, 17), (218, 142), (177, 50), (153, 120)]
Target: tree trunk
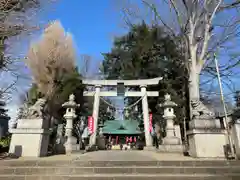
[(194, 70), (194, 84), (194, 91)]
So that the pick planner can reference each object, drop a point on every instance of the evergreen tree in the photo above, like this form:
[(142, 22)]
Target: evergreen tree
[(237, 99), (149, 52), (4, 118), (3, 111), (69, 84)]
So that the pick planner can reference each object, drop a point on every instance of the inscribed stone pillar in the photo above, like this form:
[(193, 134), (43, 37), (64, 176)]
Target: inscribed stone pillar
[(60, 139), (148, 137), (95, 114)]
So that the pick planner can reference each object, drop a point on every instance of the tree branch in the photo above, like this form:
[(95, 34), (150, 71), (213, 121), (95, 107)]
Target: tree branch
[(6, 90), (229, 6), (207, 33)]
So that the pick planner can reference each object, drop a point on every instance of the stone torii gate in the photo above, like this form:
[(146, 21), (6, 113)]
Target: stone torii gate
[(126, 83)]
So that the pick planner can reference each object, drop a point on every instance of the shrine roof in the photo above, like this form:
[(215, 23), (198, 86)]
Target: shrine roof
[(121, 127)]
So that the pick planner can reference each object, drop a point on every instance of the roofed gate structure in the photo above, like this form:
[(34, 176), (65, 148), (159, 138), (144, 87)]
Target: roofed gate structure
[(98, 84)]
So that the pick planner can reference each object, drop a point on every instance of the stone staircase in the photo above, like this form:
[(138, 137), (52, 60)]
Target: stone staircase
[(118, 170)]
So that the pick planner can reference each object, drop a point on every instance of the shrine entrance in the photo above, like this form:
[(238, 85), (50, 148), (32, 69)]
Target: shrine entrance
[(122, 85)]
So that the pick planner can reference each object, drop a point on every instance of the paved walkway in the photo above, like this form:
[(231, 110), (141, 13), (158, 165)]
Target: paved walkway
[(116, 155), (135, 156)]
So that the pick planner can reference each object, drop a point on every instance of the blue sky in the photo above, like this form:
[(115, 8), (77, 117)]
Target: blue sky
[(93, 24)]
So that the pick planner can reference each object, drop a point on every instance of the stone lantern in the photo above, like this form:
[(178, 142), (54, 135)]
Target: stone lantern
[(170, 140), (70, 115)]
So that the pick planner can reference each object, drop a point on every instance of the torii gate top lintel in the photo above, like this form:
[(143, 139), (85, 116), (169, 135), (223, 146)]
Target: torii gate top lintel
[(139, 82)]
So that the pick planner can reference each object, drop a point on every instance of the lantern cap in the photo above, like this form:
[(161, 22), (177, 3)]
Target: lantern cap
[(168, 102)]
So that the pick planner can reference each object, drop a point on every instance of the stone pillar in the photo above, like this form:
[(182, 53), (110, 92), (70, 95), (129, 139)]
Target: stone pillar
[(95, 115), (148, 137), (178, 132), (60, 140), (70, 115), (236, 137)]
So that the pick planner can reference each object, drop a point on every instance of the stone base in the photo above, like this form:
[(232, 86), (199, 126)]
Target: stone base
[(29, 142), (30, 138), (149, 148), (171, 141), (71, 145), (171, 148), (203, 123), (206, 143)]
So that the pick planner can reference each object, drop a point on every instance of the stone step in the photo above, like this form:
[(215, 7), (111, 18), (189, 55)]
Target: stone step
[(78, 163), (125, 177), (117, 170)]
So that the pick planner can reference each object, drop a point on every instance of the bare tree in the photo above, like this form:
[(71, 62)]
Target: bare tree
[(50, 58), (16, 20), (86, 59), (203, 28)]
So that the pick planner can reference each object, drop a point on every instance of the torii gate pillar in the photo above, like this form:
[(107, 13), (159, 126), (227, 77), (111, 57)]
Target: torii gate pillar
[(148, 137), (95, 114), (143, 83)]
